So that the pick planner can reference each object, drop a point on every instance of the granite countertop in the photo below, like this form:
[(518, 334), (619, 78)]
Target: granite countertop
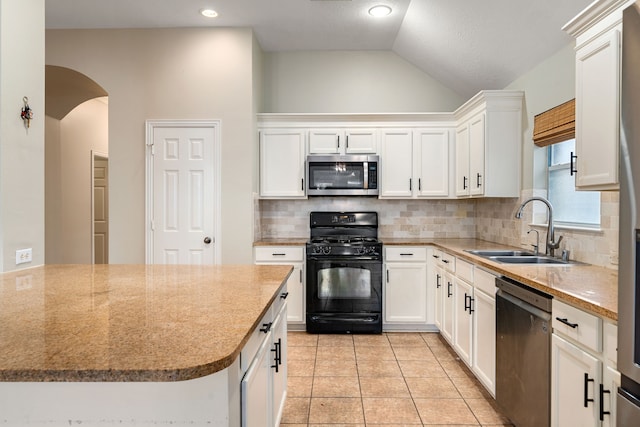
[(588, 287), (129, 322)]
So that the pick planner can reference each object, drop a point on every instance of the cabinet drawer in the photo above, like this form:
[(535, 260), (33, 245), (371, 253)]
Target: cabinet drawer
[(464, 270), (485, 281), (448, 262), (278, 253), (256, 339), (405, 253), (578, 325)]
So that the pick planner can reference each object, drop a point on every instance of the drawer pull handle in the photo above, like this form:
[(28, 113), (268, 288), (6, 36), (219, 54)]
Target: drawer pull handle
[(266, 327), (566, 322), (406, 254), (278, 254), (446, 261), (284, 295), (602, 411), (436, 256), (587, 380)]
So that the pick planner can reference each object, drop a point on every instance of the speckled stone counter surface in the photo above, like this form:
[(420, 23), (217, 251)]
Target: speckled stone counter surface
[(281, 242), (588, 287), (129, 322)]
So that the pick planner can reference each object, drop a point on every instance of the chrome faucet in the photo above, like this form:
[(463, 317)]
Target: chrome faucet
[(552, 244)]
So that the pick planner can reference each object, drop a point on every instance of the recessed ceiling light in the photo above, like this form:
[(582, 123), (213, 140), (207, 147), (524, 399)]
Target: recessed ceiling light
[(209, 13), (380, 10)]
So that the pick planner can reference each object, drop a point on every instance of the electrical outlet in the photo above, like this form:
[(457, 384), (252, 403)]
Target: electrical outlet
[(24, 256)]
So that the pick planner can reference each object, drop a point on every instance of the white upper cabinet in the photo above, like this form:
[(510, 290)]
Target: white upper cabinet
[(598, 31), (415, 163), (282, 163), (396, 158), (488, 145), (343, 141)]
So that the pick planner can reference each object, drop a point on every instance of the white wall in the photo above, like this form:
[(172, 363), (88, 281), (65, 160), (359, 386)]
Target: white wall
[(21, 149), (198, 73), (84, 129), (550, 83), (350, 82)]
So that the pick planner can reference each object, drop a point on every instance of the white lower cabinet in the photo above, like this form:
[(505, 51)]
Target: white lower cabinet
[(448, 302), (465, 313), (437, 282), (584, 380), (405, 286), (264, 385), (575, 377), (463, 323), (288, 255), (484, 329)]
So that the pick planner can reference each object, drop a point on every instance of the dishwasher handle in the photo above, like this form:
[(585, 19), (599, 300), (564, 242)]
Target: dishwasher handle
[(524, 305)]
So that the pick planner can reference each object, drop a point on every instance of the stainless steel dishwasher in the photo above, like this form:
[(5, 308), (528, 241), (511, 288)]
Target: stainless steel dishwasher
[(523, 353)]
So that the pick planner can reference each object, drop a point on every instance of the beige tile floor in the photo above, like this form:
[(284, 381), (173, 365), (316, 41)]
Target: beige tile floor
[(392, 380)]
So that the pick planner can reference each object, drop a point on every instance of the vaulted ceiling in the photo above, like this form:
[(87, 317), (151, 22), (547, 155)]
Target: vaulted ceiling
[(467, 45)]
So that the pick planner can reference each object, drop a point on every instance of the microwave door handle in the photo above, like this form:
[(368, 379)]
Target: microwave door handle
[(365, 173)]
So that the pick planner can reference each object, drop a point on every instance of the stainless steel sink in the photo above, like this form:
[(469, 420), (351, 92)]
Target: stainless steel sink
[(499, 252), (508, 256), (534, 259)]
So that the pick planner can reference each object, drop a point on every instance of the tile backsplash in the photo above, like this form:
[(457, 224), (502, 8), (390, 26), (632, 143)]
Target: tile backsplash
[(490, 219)]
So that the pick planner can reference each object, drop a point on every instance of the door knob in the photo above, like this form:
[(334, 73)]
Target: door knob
[(207, 240)]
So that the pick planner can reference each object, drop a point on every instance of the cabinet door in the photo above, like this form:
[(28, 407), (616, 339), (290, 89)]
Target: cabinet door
[(282, 158), (296, 302), (439, 294), (396, 168), (325, 141), (484, 338), (279, 364), (476, 155), (607, 396), (462, 160), (463, 319), (598, 112), (575, 376), (256, 389), (447, 308), (405, 293), (431, 162), (361, 141)]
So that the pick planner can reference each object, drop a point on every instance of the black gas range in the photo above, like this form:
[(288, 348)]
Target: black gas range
[(344, 273)]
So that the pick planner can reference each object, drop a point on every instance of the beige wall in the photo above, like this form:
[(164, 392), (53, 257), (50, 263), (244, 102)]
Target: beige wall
[(350, 82), (550, 83), (200, 73), (21, 149), (68, 193)]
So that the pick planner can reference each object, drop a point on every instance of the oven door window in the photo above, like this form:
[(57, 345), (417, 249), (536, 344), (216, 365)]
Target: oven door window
[(344, 283), (336, 175)]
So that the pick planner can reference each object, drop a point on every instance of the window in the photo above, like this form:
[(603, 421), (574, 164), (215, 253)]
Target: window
[(570, 207)]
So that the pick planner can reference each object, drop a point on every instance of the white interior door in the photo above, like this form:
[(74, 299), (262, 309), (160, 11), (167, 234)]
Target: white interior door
[(100, 209), (184, 193)]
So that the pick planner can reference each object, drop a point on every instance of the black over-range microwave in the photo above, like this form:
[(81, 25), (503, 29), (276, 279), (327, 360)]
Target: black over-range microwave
[(342, 175)]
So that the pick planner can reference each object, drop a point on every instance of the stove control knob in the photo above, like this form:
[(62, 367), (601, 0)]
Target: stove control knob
[(326, 250)]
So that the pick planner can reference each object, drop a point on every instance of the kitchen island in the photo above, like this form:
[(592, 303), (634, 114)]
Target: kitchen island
[(129, 344)]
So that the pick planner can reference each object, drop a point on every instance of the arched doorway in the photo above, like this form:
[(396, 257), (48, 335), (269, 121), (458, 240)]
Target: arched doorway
[(76, 109)]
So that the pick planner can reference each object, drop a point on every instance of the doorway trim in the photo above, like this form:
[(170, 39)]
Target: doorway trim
[(104, 156), (151, 125)]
